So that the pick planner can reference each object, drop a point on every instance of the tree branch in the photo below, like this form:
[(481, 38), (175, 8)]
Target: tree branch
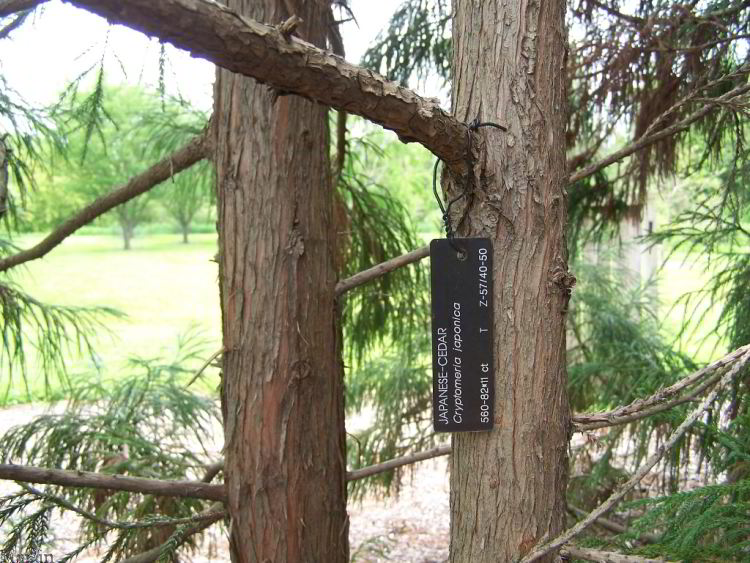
[(205, 365), (152, 523), (194, 151), (188, 489), (212, 471), (212, 31), (571, 551), (611, 526), (9, 7), (659, 401), (371, 470), (565, 537), (15, 24), (214, 514), (381, 269), (646, 141)]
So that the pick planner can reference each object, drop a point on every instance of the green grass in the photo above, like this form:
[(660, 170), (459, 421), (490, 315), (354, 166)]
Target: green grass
[(678, 278), (163, 286)]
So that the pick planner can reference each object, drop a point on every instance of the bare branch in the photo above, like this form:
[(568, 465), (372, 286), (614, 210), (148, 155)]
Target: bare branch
[(659, 401), (381, 269), (194, 151), (648, 140), (212, 471), (604, 556), (396, 462), (214, 514), (188, 489), (565, 537), (611, 526), (15, 24), (212, 31), (207, 363), (151, 523), (9, 7)]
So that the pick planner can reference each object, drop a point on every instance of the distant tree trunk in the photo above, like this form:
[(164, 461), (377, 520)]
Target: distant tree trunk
[(127, 229), (282, 375), (508, 485), (185, 227)]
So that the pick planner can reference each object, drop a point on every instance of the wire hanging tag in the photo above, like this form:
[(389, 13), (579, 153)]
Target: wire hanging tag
[(463, 387)]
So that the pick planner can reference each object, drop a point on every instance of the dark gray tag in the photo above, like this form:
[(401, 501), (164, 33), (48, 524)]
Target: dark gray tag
[(463, 386)]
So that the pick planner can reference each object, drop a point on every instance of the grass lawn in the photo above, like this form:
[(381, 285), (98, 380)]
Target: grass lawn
[(166, 288), (163, 286)]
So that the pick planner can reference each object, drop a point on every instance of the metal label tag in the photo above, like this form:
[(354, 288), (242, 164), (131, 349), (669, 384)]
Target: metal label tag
[(463, 386)]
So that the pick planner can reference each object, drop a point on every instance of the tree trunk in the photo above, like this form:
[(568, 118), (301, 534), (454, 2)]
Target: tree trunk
[(185, 227), (282, 388), (508, 485), (127, 234)]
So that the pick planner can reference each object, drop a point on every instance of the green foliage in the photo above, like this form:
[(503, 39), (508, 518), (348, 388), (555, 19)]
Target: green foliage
[(30, 138), (373, 227), (397, 386), (112, 135), (53, 332), (416, 43), (147, 424), (706, 524), (715, 229), (99, 164), (170, 126), (618, 352)]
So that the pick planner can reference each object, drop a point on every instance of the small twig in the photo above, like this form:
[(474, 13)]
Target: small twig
[(155, 553), (618, 495), (571, 551), (212, 471), (396, 462), (381, 269), (643, 142), (15, 24), (207, 363), (288, 27), (193, 151), (611, 526), (155, 522)]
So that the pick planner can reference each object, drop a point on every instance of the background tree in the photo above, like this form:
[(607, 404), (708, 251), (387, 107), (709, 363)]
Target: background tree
[(187, 195), (111, 153)]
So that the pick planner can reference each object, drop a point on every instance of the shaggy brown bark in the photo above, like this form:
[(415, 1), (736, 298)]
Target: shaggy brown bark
[(508, 485), (282, 376)]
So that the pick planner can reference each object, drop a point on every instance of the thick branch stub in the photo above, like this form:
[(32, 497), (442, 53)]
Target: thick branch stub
[(366, 276), (212, 31)]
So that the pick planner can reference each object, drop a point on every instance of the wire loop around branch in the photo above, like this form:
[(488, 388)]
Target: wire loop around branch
[(468, 187)]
